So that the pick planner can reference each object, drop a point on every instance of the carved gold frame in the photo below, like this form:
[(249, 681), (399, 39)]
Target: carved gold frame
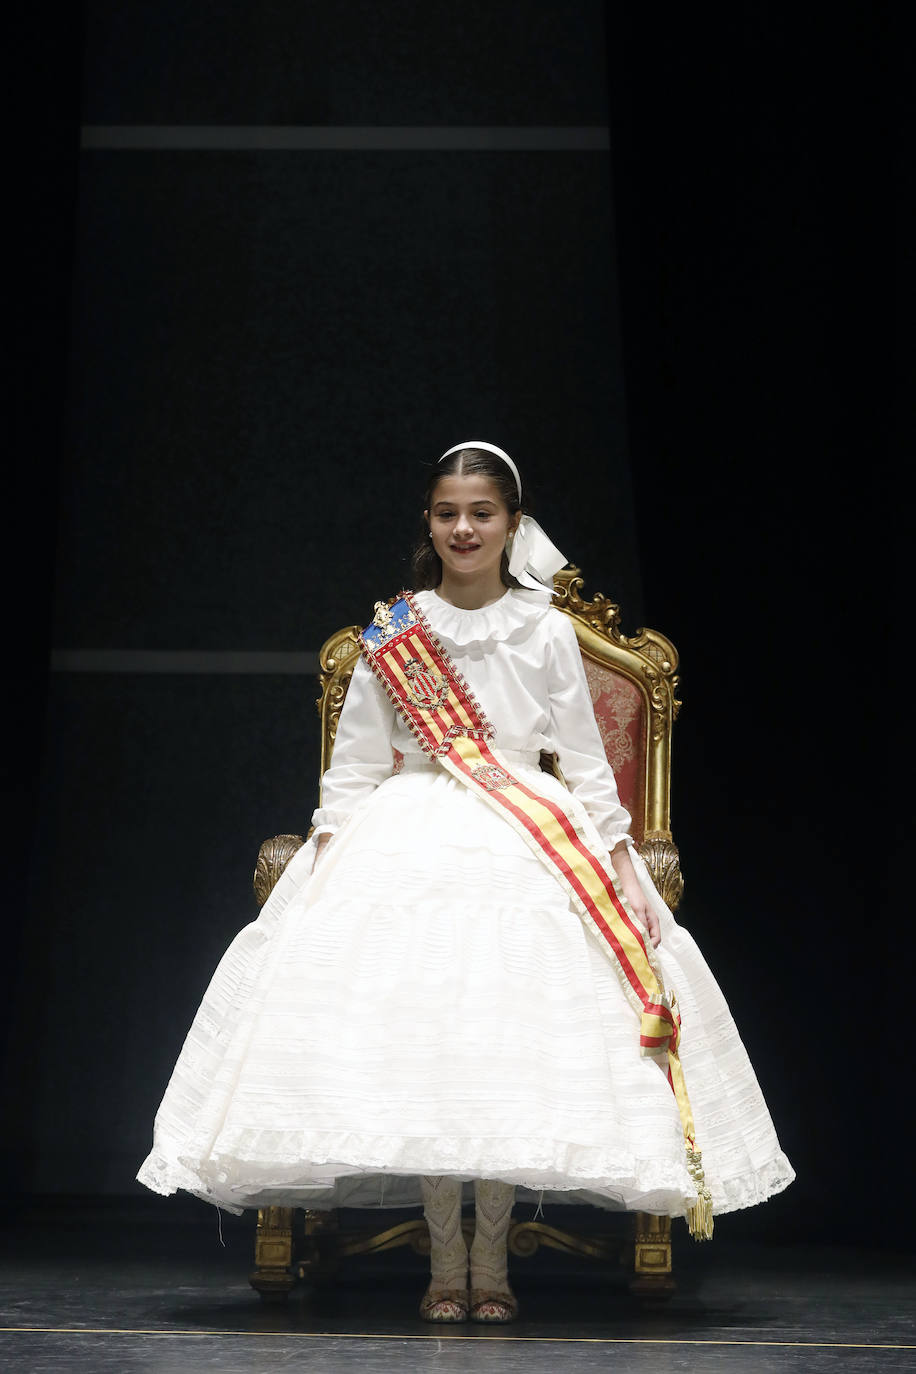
[(650, 661)]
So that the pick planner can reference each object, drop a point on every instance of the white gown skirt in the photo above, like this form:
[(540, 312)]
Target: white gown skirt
[(428, 1003)]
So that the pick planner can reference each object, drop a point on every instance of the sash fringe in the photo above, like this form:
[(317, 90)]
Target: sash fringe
[(699, 1216)]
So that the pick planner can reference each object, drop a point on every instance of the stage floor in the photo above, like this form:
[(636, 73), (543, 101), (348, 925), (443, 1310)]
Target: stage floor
[(149, 1287)]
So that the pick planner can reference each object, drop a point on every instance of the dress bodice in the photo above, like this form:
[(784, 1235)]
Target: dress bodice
[(521, 658)]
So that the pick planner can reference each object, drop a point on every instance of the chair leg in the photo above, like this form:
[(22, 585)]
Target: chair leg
[(652, 1258), (318, 1258), (273, 1254)]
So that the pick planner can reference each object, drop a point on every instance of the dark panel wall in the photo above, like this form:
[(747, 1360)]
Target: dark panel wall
[(758, 196), (160, 788), (267, 350), (255, 327), (522, 62)]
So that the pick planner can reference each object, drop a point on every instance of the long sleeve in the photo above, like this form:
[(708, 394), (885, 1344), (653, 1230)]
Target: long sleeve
[(576, 740), (362, 757)]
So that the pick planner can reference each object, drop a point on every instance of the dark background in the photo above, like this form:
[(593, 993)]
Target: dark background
[(230, 369)]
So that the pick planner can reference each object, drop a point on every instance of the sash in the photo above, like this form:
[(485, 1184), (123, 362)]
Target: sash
[(445, 718)]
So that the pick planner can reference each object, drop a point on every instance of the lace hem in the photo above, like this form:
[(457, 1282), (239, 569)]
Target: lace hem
[(337, 1169), (748, 1190)]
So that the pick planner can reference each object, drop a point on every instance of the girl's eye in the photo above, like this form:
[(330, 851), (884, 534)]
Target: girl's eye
[(482, 515)]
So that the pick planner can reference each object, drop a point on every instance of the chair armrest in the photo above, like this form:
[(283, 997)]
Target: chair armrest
[(273, 856), (659, 853)]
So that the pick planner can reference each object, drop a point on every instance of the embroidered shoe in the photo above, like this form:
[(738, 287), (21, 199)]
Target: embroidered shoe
[(493, 1307), (444, 1305)]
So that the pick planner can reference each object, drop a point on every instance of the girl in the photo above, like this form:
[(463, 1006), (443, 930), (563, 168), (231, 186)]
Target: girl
[(465, 976)]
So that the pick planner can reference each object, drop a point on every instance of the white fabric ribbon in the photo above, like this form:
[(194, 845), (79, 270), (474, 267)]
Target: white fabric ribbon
[(533, 558)]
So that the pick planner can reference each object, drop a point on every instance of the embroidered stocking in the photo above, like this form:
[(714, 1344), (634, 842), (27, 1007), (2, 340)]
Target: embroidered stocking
[(448, 1253), (488, 1251)]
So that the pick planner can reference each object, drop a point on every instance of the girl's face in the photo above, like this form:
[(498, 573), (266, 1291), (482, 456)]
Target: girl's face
[(469, 523)]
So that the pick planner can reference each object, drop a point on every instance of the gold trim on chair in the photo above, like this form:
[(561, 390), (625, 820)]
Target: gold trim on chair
[(273, 1254), (336, 660)]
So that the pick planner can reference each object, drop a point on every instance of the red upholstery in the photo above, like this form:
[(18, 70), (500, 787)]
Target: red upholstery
[(621, 718)]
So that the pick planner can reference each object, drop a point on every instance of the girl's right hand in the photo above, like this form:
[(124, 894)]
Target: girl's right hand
[(320, 845)]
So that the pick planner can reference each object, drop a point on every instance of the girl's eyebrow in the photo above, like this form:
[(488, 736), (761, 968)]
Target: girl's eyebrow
[(484, 501)]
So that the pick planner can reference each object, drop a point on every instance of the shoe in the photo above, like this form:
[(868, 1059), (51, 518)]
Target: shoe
[(444, 1305), (493, 1307)]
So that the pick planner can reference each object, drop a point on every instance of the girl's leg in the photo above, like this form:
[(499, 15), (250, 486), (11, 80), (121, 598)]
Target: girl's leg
[(492, 1300), (446, 1298)]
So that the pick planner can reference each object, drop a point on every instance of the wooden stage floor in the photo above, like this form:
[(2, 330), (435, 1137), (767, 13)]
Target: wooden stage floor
[(148, 1286)]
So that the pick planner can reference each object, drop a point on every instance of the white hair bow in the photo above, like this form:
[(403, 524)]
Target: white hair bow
[(533, 558)]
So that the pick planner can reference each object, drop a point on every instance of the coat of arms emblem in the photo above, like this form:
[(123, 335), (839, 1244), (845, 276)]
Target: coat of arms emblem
[(382, 617), (428, 689), (491, 777)]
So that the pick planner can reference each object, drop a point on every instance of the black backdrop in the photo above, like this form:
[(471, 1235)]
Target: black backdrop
[(758, 167), (736, 433)]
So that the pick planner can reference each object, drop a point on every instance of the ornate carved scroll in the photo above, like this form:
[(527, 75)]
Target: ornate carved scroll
[(273, 856), (663, 862), (601, 612), (336, 661)]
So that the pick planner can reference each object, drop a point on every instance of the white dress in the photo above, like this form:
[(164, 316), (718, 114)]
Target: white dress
[(427, 1002)]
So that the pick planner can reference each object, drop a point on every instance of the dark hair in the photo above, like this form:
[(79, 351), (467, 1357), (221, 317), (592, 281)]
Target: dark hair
[(467, 462)]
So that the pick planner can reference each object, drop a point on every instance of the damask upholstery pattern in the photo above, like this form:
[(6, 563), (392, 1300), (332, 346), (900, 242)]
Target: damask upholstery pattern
[(621, 717)]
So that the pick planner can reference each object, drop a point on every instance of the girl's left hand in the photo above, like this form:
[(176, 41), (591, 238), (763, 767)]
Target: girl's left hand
[(643, 912), (634, 894)]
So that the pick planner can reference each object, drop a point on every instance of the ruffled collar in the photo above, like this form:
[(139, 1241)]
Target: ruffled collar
[(502, 619)]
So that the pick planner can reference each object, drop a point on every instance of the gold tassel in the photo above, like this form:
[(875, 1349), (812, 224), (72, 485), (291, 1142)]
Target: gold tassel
[(699, 1216)]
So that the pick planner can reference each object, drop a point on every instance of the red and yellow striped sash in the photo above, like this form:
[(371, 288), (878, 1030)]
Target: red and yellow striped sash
[(445, 718)]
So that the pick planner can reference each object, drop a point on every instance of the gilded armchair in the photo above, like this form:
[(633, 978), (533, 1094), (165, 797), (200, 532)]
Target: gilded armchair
[(632, 680)]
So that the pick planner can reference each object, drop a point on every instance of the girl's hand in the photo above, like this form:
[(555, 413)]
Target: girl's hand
[(635, 895), (320, 845)]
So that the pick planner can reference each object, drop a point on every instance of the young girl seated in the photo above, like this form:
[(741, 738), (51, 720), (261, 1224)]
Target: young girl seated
[(466, 982)]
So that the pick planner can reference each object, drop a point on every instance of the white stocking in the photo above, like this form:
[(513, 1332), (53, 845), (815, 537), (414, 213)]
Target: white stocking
[(448, 1251), (488, 1251)]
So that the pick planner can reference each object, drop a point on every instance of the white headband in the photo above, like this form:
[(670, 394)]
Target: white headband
[(533, 558), (491, 448)]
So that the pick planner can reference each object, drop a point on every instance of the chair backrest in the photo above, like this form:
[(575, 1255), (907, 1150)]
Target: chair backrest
[(632, 679)]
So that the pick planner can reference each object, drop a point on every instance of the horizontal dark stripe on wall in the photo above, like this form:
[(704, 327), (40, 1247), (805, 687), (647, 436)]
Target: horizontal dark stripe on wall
[(392, 138), (240, 661)]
